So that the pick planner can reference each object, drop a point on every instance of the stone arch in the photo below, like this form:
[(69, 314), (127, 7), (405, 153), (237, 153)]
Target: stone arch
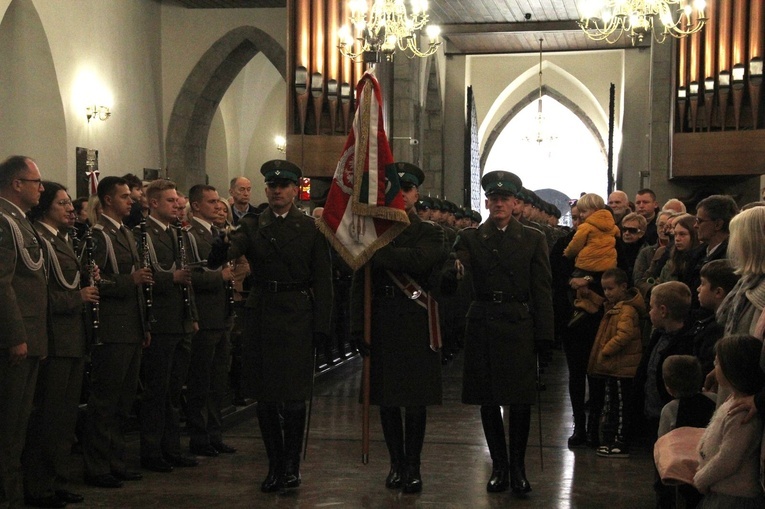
[(201, 93), (30, 97), (528, 99)]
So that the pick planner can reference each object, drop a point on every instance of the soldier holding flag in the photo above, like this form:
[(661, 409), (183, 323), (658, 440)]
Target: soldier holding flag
[(405, 357)]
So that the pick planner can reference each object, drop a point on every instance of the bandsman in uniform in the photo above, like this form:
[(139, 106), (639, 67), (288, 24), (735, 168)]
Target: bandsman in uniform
[(23, 315), (210, 347), (117, 359), (53, 421), (166, 359), (287, 311), (405, 362), (511, 316)]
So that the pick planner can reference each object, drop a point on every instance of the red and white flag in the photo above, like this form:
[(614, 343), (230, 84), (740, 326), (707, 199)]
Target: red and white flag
[(365, 208)]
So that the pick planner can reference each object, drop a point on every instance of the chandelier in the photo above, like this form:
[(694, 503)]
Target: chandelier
[(384, 28), (542, 136), (607, 20)]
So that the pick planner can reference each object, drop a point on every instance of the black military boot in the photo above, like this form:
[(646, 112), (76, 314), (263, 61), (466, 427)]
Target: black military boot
[(393, 431), (271, 431), (520, 421), (579, 436), (294, 425), (414, 421), (494, 430)]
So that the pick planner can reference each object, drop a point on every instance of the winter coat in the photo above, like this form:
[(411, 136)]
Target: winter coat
[(618, 347), (594, 243)]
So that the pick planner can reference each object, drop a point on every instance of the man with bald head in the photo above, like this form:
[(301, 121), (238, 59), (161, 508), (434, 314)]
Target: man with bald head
[(619, 203), (240, 194)]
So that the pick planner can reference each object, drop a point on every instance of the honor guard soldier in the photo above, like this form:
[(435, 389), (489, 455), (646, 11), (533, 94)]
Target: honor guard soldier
[(116, 359), (59, 386), (510, 315), (166, 359), (405, 358), (23, 314), (289, 307), (210, 347)]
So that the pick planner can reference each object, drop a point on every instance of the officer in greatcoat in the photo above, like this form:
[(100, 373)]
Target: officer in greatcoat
[(289, 308), (510, 317), (405, 359)]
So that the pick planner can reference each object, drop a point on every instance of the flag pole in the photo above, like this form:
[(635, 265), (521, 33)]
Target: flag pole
[(366, 368)]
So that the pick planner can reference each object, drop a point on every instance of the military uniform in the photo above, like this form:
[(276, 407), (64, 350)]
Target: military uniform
[(511, 314), (290, 302), (60, 381), (210, 347), (116, 361), (23, 314), (405, 368), (166, 360)]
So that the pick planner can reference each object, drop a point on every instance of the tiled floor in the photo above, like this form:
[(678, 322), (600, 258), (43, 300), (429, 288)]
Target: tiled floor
[(455, 464)]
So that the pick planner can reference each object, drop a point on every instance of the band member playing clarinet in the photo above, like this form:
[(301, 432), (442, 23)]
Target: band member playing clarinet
[(166, 360), (51, 426), (122, 333), (210, 347)]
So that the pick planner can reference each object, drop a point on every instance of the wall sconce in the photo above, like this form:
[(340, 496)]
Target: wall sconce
[(99, 112), (281, 143)]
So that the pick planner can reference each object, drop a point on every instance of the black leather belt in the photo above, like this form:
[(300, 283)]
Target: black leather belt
[(501, 297), (282, 286)]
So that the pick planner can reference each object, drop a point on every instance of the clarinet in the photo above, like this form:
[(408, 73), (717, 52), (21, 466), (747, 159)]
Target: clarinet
[(148, 290), (90, 272), (184, 262), (230, 309)]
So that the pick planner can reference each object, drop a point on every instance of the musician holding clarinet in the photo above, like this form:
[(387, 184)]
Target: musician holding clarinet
[(52, 423), (122, 333), (166, 360), (210, 347)]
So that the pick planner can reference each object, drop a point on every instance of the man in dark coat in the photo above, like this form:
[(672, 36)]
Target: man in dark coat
[(23, 313), (405, 362), (289, 306), (510, 316)]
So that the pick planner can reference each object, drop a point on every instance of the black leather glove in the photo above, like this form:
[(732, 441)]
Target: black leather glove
[(320, 340), (358, 343), (218, 251)]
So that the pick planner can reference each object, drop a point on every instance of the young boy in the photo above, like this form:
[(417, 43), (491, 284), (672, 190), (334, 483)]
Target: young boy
[(594, 246), (669, 308), (717, 279), (691, 407), (616, 355)]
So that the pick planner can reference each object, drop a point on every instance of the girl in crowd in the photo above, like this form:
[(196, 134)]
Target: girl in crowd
[(729, 449)]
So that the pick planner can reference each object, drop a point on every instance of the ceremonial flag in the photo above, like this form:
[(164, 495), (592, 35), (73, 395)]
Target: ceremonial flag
[(364, 209)]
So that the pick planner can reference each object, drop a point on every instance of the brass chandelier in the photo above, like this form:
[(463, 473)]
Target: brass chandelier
[(608, 20), (385, 27)]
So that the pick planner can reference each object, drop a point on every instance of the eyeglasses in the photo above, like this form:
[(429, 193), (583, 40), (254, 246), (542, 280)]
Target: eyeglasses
[(64, 203), (633, 231), (38, 182), (701, 220)]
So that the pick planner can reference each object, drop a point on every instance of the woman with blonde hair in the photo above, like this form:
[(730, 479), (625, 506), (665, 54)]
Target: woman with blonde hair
[(94, 209)]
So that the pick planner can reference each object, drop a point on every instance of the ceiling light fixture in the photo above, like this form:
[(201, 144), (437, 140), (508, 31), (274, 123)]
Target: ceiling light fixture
[(386, 27), (608, 20)]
